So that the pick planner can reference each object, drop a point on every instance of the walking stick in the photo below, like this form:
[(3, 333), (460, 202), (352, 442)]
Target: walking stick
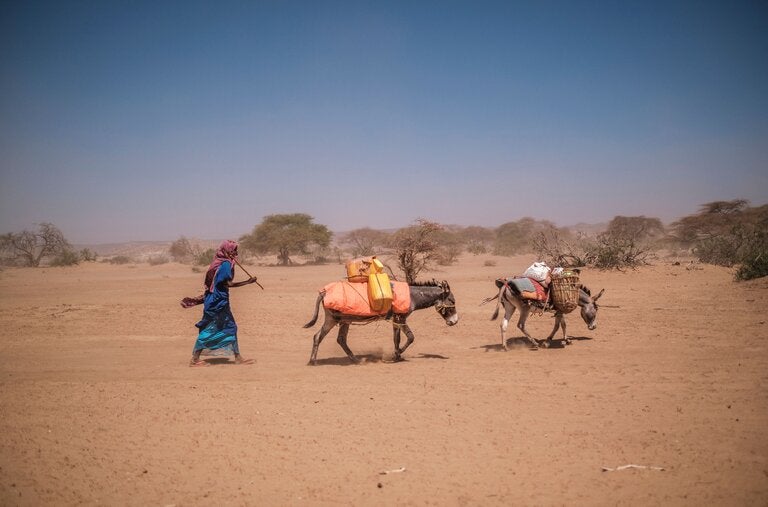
[(247, 273)]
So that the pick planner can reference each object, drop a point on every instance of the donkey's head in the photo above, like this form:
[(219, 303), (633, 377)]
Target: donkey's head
[(589, 307), (446, 304)]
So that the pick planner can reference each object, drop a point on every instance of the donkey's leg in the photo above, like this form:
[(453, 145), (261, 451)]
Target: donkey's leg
[(565, 336), (396, 339), (327, 326), (509, 310), (408, 342), (396, 336), (524, 310), (559, 321), (342, 340)]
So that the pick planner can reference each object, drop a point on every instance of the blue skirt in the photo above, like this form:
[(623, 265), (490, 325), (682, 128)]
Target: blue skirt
[(218, 334)]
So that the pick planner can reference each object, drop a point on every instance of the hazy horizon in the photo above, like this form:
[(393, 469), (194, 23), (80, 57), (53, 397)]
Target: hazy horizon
[(147, 121)]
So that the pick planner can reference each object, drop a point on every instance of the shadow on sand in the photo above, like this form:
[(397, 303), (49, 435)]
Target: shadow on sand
[(345, 361), (371, 358), (431, 356), (522, 343), (215, 361)]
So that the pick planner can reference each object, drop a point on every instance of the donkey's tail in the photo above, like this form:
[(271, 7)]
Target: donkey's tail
[(498, 302), (317, 310)]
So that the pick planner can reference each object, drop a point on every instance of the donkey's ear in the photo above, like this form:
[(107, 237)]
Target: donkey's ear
[(594, 299)]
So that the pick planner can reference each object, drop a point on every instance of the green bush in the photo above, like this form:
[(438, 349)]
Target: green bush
[(718, 250), (754, 268), (728, 233), (754, 254)]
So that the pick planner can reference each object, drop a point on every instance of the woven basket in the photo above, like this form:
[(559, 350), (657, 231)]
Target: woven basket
[(565, 292)]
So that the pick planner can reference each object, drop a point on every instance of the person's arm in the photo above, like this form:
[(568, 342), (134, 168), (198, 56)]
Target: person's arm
[(243, 283)]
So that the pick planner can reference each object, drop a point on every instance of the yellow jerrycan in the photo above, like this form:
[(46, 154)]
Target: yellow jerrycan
[(357, 269), (379, 288)]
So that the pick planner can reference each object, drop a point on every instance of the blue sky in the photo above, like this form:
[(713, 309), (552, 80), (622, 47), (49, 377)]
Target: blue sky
[(150, 120)]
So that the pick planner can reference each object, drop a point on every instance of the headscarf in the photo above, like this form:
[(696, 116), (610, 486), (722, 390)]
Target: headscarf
[(227, 251)]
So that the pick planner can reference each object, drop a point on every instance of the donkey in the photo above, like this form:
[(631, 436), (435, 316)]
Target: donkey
[(423, 295), (511, 301)]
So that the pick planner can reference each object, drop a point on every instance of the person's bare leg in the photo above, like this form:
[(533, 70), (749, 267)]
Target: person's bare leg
[(241, 360), (196, 361)]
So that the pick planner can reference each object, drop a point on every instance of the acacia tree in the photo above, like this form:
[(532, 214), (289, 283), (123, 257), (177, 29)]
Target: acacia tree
[(713, 220), (715, 232), (29, 248), (728, 233), (285, 235), (416, 247)]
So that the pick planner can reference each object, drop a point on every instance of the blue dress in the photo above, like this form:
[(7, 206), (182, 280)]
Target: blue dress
[(218, 330)]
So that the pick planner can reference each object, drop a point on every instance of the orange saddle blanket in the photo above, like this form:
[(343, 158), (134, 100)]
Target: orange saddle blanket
[(351, 298)]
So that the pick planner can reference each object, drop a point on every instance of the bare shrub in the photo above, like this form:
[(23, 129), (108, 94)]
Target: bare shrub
[(156, 260), (629, 242), (88, 255), (611, 252), (558, 247), (66, 258), (28, 248), (476, 247), (450, 245), (416, 247), (119, 259), (517, 237), (182, 250), (205, 257), (477, 240), (365, 241)]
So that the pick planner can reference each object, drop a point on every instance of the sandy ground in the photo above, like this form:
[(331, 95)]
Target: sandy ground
[(99, 407)]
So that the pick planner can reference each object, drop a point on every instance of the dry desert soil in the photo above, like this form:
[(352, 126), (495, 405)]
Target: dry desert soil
[(99, 407)]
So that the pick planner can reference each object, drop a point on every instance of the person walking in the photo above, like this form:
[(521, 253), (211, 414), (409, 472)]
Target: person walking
[(218, 329)]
